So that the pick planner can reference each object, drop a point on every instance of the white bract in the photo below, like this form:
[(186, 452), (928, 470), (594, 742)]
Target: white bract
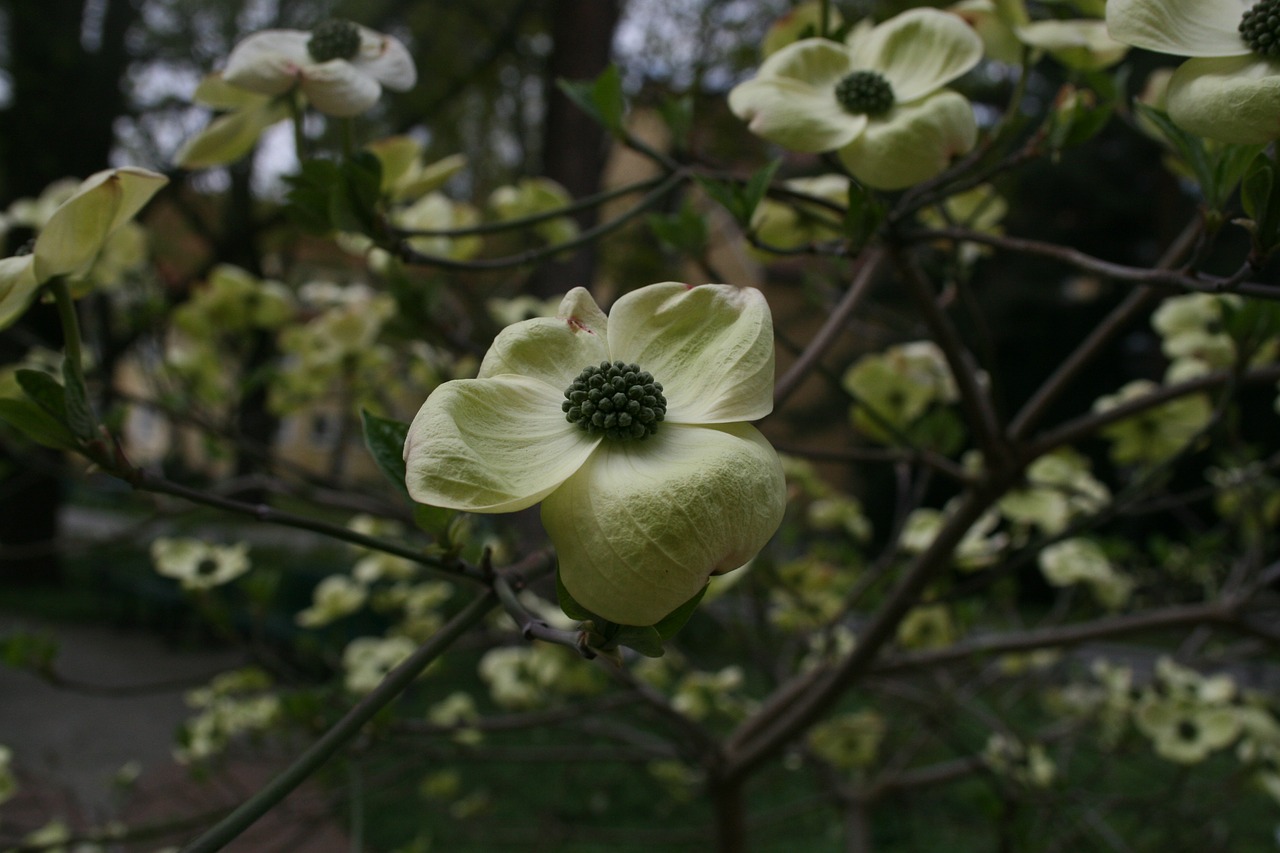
[(639, 523), (877, 100), (341, 67), (1229, 89), (74, 234)]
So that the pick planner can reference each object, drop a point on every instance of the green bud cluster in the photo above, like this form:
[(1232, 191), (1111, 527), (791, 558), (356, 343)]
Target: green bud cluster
[(865, 93), (1260, 28), (334, 39), (618, 400)]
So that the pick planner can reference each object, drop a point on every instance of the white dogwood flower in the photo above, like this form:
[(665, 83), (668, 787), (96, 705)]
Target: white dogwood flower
[(631, 429)]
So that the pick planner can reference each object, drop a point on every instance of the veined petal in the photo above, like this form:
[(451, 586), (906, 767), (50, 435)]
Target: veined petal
[(386, 59), (642, 525), (229, 137), (18, 285), (213, 91), (74, 234), (795, 114), (338, 88), (821, 63), (137, 186), (492, 445), (268, 62), (1180, 27), (552, 349), (920, 51), (1082, 44), (710, 346), (913, 143), (1233, 99)]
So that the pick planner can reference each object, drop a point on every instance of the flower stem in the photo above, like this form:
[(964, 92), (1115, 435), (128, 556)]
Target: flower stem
[(230, 827), (71, 339)]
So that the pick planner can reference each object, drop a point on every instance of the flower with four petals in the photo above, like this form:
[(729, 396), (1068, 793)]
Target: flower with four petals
[(341, 67), (631, 429), (877, 99)]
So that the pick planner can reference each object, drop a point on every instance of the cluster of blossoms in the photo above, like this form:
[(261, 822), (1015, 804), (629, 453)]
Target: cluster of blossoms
[(234, 704), (1025, 764), (849, 741), (534, 676), (894, 389)]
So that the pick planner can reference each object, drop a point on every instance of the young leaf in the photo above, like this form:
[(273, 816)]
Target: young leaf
[(601, 98), (385, 440), (37, 424), (671, 624)]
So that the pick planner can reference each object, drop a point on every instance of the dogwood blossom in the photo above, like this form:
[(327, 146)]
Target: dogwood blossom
[(877, 100), (646, 490), (75, 233), (341, 67), (1229, 89)]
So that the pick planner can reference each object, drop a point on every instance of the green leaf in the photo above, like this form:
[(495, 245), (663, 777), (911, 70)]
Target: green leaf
[(353, 200), (1190, 148), (671, 624), (677, 112), (684, 231), (385, 440), (647, 641), (740, 200), (308, 196), (37, 424), (863, 215), (45, 392), (79, 414), (572, 608), (601, 98), (756, 187), (1260, 199)]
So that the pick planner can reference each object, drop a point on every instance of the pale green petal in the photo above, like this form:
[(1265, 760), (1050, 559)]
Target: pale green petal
[(138, 186), (1081, 44), (338, 88), (213, 91), (1235, 99), (710, 346), (552, 349), (795, 114), (268, 62), (18, 287), (821, 63), (640, 528), (492, 445), (913, 143), (74, 234), (920, 51), (228, 137), (102, 203), (1180, 27)]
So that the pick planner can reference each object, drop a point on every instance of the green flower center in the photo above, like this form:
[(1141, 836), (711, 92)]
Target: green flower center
[(618, 400), (865, 93), (206, 567), (334, 40), (1188, 731), (1260, 28)]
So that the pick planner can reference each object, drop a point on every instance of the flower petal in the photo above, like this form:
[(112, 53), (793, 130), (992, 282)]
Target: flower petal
[(1082, 44), (338, 88), (792, 101), (138, 186), (552, 349), (795, 114), (229, 137), (642, 525), (268, 62), (1180, 27), (492, 445), (74, 234), (710, 346), (920, 51), (387, 60), (1234, 99), (18, 285), (913, 143)]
